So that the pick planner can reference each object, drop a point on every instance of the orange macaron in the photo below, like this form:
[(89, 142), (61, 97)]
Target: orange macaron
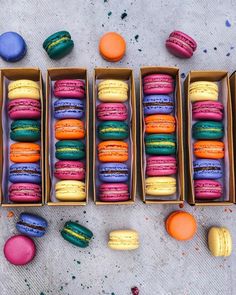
[(69, 129), (181, 225), (160, 124), (24, 152), (209, 149), (113, 151)]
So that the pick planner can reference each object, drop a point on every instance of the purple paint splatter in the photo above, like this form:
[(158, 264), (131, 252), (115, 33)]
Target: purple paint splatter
[(205, 50), (227, 24)]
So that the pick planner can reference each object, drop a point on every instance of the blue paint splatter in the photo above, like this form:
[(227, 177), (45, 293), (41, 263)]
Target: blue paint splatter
[(228, 54), (109, 13), (227, 24), (215, 48), (182, 75), (232, 47), (205, 50)]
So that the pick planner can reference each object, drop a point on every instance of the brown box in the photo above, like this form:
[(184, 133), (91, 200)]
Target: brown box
[(233, 101), (16, 74), (125, 74), (174, 72), (224, 96), (54, 74)]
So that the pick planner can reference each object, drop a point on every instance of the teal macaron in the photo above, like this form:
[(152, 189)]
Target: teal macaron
[(70, 150), (111, 130), (58, 45), (160, 144), (208, 130), (76, 234), (25, 130)]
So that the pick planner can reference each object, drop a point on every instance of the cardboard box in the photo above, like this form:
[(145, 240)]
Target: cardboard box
[(179, 199), (224, 96), (233, 102), (11, 74), (128, 76), (54, 74)]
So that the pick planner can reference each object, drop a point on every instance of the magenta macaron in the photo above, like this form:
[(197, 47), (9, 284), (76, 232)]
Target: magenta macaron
[(70, 170), (208, 189), (25, 193), (208, 110), (161, 165), (181, 45), (158, 84), (113, 192), (112, 111), (24, 109), (69, 88)]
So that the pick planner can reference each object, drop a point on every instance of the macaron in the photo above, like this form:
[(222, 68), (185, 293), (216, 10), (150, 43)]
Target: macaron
[(206, 189), (181, 44), (31, 225), (23, 89), (160, 186), (70, 190), (203, 90), (113, 151), (181, 225), (207, 149), (113, 91), (161, 166), (24, 109), (71, 170), (123, 240), (58, 44), (76, 234), (113, 172), (19, 250), (113, 130), (25, 172), (160, 144), (158, 84), (24, 152), (70, 150), (207, 169), (25, 130), (25, 193), (208, 130), (208, 110), (112, 111), (69, 129), (158, 104), (113, 192), (68, 108), (220, 241), (112, 46), (160, 124), (69, 88)]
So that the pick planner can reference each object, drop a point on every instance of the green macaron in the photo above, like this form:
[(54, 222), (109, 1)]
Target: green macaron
[(208, 130), (25, 130), (111, 130), (70, 150), (160, 144), (58, 45), (76, 234)]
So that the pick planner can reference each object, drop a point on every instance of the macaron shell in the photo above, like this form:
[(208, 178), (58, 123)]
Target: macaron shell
[(68, 109), (158, 84), (160, 144), (208, 130), (208, 189), (209, 149), (112, 111), (25, 172), (24, 152), (161, 166), (23, 89), (70, 150), (203, 90), (113, 130), (113, 151), (25, 130), (160, 186), (25, 193), (220, 241), (207, 169), (69, 88), (113, 192), (69, 129), (24, 109), (70, 190), (208, 110), (158, 104), (69, 170), (113, 172), (160, 124)]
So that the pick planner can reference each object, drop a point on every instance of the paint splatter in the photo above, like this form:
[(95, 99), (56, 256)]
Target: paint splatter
[(182, 75), (61, 288), (215, 48), (73, 277), (123, 15), (205, 50), (10, 214), (139, 50), (181, 206), (136, 38), (135, 291), (109, 13), (232, 47), (227, 23), (228, 54), (105, 1), (41, 293)]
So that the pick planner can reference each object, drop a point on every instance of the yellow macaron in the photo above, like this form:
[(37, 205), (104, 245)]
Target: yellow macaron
[(127, 239), (113, 91), (23, 89), (203, 90), (70, 190), (160, 186), (219, 241)]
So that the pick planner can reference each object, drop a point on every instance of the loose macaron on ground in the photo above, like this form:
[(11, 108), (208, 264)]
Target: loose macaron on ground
[(123, 240), (31, 225), (220, 241)]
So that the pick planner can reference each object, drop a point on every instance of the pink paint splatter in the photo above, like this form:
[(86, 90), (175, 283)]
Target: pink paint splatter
[(135, 291)]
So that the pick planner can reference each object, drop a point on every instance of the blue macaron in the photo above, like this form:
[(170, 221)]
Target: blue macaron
[(158, 104), (207, 169), (113, 172), (68, 108), (31, 225), (25, 172)]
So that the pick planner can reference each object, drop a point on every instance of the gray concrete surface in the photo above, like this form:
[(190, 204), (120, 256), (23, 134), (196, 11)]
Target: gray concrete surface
[(161, 266)]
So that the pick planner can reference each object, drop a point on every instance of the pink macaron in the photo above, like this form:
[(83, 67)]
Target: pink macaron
[(113, 192), (158, 84), (112, 111), (208, 110), (24, 109), (180, 44), (69, 88), (161, 165), (70, 170), (19, 250), (25, 193), (207, 189)]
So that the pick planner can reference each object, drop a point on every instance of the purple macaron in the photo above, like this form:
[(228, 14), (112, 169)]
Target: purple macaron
[(25, 172), (69, 108), (158, 104), (113, 172), (207, 169)]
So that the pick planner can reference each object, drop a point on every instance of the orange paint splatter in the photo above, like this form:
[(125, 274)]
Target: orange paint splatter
[(10, 214)]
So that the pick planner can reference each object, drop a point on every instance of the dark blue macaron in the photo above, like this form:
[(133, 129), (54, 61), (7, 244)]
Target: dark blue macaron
[(207, 169), (25, 172), (158, 104), (12, 46), (113, 172), (31, 225), (68, 108)]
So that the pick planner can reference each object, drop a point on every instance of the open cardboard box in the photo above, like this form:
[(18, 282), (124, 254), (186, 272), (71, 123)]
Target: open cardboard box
[(11, 74), (233, 100), (179, 198), (128, 76), (224, 96), (54, 74)]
